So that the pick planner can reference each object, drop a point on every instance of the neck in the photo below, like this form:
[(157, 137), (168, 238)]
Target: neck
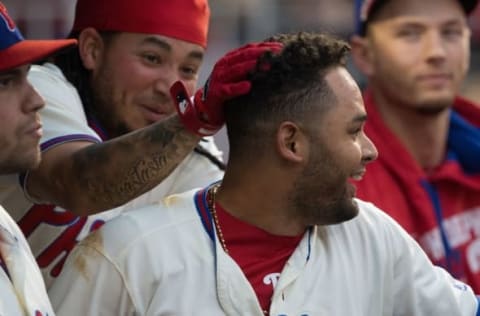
[(423, 135), (263, 206)]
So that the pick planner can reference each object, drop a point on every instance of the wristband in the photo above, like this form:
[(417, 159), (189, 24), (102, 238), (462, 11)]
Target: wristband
[(189, 115)]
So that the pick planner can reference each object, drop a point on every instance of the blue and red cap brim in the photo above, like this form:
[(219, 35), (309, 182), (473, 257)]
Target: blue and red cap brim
[(30, 51)]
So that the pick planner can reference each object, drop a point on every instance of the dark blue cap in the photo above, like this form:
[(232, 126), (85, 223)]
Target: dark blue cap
[(364, 9)]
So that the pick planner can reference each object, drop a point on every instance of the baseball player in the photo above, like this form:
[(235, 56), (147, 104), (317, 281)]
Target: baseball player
[(110, 132), (282, 234), (22, 290), (416, 55)]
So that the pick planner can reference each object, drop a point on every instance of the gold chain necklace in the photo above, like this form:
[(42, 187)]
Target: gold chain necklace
[(212, 193)]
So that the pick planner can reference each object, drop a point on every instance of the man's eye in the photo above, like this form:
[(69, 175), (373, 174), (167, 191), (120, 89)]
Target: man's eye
[(5, 82), (152, 58), (409, 33), (355, 132), (453, 32), (189, 70)]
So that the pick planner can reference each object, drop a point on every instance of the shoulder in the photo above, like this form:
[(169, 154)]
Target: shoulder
[(49, 80), (372, 237), (141, 230), (370, 214), (468, 110), (374, 222), (48, 72)]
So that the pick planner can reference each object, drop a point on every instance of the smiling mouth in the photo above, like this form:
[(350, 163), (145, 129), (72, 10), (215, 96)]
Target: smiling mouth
[(153, 114), (357, 176)]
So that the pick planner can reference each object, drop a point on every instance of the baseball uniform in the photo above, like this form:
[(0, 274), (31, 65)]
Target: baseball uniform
[(22, 290), (53, 231), (165, 259), (439, 208)]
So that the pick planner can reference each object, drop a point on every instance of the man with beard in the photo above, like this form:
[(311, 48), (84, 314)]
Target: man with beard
[(22, 291), (110, 129), (415, 55), (282, 234)]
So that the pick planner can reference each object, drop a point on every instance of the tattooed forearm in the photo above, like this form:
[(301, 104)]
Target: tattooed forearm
[(112, 173)]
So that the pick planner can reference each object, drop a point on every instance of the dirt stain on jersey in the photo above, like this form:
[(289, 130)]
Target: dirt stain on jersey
[(86, 251), (170, 200)]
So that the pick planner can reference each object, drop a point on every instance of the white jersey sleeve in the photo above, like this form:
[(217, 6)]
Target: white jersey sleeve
[(21, 285), (63, 116), (420, 288)]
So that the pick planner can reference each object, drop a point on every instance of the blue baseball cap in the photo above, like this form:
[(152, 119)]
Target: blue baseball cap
[(365, 9), (16, 51)]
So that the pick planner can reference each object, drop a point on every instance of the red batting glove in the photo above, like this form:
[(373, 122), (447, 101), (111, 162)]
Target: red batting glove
[(228, 80)]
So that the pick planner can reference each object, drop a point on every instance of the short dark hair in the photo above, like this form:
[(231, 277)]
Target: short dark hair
[(285, 86)]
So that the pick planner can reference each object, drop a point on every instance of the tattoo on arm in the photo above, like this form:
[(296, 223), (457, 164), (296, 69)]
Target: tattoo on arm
[(114, 172)]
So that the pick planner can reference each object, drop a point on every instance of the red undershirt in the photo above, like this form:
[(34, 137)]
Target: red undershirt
[(260, 255)]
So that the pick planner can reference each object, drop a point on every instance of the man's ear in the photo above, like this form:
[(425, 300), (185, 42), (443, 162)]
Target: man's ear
[(361, 54), (90, 46), (292, 143)]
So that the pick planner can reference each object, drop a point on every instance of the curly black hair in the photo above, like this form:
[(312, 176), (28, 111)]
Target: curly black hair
[(285, 86)]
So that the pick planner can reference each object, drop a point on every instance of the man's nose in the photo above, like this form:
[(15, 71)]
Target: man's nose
[(370, 152), (33, 101)]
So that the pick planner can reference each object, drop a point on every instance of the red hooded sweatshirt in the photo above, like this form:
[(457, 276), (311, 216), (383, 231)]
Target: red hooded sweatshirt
[(441, 209)]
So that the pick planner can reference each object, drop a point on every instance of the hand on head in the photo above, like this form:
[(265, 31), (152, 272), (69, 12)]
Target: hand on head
[(228, 80)]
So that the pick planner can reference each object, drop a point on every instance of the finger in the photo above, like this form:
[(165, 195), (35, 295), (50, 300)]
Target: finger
[(236, 89), (250, 53), (236, 72)]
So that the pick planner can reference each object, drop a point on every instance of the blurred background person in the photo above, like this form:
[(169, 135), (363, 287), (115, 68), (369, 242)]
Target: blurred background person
[(415, 55)]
